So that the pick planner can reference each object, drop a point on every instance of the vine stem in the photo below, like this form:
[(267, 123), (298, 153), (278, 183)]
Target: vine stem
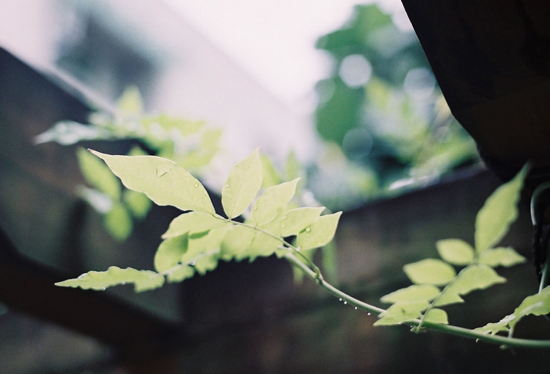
[(505, 342)]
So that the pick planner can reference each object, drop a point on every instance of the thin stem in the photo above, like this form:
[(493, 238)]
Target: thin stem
[(448, 329)]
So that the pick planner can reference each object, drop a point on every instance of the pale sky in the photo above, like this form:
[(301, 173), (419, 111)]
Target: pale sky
[(273, 40)]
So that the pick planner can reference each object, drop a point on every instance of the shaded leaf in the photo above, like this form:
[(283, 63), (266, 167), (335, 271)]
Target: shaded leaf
[(455, 251), (501, 257), (448, 297), (430, 271), (270, 176), (318, 233), (97, 174), (162, 180), (236, 239), (244, 182), (261, 245), (498, 212), (272, 202), (143, 280), (138, 203), (193, 222), (118, 222), (423, 292), (170, 252)]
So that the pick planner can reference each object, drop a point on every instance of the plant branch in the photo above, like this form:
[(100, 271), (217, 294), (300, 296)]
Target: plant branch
[(506, 342)]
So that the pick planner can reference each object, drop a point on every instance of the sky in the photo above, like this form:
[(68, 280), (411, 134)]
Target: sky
[(273, 40)]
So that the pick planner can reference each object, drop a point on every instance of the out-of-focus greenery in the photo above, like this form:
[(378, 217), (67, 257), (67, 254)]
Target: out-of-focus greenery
[(383, 109)]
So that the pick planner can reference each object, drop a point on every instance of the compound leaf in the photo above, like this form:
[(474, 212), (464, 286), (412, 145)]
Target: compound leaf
[(455, 251), (319, 233), (143, 280), (422, 292), (498, 213), (436, 315), (272, 202), (244, 182), (193, 222), (162, 180), (501, 257), (475, 277), (430, 271)]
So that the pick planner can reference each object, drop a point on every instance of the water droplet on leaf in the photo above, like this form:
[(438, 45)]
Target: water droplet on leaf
[(196, 185), (345, 302), (308, 229)]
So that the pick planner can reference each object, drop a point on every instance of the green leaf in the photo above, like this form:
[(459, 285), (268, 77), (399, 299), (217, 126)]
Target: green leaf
[(430, 271), (538, 305), (118, 222), (138, 203), (236, 239), (501, 257), (293, 168), (494, 328), (180, 274), (475, 277), (162, 180), (318, 233), (270, 175), (423, 292), (130, 102), (262, 245), (401, 312), (69, 132), (436, 315), (330, 268), (455, 251), (97, 174), (498, 213), (295, 220), (193, 222), (244, 182), (272, 202), (448, 297), (170, 252), (167, 123), (143, 280)]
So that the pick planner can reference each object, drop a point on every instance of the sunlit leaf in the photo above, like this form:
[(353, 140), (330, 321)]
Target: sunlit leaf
[(401, 312), (475, 277), (538, 305), (498, 213), (270, 175), (272, 202), (130, 102), (501, 257), (193, 222), (97, 174), (143, 280), (118, 222), (430, 271), (180, 274), (318, 233), (138, 203), (436, 315), (494, 328), (170, 252), (296, 220), (455, 251), (422, 292), (448, 297), (162, 180), (244, 182), (205, 242), (261, 245)]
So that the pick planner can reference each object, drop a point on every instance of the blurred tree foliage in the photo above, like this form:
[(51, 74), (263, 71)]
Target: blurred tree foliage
[(383, 108)]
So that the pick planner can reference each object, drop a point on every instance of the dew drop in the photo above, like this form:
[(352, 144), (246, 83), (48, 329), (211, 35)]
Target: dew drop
[(355, 308), (308, 229), (103, 289), (123, 283), (255, 208), (192, 263), (340, 299), (196, 185), (227, 186), (345, 302), (368, 314)]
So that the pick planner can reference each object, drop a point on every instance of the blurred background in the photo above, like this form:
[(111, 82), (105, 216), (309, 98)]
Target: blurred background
[(342, 84)]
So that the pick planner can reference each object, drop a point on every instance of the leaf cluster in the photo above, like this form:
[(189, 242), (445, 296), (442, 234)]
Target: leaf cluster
[(200, 237), (189, 143), (437, 282)]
